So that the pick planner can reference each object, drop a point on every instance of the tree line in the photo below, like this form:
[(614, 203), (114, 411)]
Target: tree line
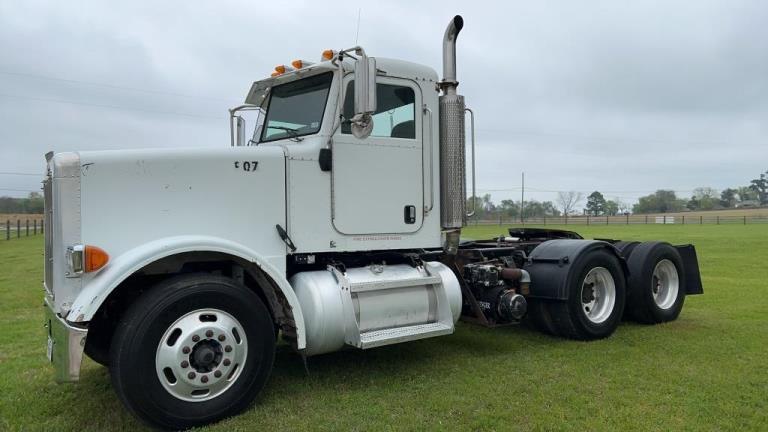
[(754, 194), (32, 204)]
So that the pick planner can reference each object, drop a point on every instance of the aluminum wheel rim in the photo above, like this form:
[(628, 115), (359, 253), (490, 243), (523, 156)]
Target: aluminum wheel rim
[(598, 295), (665, 284), (201, 355)]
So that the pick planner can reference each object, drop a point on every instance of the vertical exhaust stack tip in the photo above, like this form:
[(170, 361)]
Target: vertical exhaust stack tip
[(452, 170), (449, 83)]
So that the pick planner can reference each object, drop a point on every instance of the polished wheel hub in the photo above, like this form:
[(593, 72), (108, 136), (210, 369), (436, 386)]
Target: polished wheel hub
[(598, 295), (665, 284), (201, 355)]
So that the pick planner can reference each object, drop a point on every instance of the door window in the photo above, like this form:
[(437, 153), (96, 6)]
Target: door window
[(395, 116)]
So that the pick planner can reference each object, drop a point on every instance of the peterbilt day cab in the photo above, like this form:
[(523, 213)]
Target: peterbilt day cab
[(333, 223)]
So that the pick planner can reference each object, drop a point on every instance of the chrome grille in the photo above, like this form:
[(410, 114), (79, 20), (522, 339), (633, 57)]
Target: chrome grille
[(48, 232)]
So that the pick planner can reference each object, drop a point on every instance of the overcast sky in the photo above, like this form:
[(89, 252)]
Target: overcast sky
[(624, 97)]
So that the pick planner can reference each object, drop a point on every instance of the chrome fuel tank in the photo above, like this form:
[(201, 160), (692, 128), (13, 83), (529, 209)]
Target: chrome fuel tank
[(376, 305)]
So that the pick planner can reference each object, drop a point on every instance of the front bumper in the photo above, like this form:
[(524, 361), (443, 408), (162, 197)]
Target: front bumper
[(65, 346)]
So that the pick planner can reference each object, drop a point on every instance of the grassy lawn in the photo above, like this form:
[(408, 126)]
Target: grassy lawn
[(706, 371)]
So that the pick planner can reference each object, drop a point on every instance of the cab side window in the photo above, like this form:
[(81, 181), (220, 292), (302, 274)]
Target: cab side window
[(395, 117)]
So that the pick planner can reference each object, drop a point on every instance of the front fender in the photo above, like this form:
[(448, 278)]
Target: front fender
[(97, 287)]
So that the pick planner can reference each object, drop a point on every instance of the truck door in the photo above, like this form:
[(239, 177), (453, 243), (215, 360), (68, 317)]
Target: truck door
[(377, 182)]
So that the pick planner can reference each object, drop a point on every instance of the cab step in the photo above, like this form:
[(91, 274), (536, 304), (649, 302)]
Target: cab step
[(376, 338)]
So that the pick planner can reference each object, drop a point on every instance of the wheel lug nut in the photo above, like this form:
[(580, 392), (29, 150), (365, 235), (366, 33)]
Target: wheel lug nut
[(191, 375), (221, 338), (185, 364), (227, 362), (228, 348), (209, 333), (186, 350), (204, 379), (195, 338), (217, 374)]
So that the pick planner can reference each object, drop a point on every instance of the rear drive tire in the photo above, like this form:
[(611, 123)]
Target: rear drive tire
[(596, 296), (656, 285), (540, 317), (192, 350), (626, 248)]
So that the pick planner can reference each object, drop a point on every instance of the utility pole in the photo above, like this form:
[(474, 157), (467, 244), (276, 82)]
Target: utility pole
[(522, 202)]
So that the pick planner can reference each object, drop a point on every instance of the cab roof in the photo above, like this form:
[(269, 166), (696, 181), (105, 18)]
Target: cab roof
[(257, 95)]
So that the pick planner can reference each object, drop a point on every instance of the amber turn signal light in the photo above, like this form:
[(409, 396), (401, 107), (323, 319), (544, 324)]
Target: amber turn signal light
[(95, 258)]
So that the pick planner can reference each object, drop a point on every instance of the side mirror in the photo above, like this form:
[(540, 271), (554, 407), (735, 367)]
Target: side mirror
[(240, 131), (365, 96)]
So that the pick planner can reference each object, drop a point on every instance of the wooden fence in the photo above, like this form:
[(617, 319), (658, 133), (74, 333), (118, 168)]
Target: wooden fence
[(628, 220), (28, 227)]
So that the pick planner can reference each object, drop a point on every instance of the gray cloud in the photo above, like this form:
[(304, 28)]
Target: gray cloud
[(624, 97)]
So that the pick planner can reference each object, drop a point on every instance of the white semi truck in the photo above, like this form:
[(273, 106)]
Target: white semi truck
[(334, 224)]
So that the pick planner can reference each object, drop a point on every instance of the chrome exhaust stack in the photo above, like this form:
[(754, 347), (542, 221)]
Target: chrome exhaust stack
[(452, 144)]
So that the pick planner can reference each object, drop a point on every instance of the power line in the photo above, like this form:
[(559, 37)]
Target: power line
[(19, 173), (610, 140), (63, 101), (113, 86)]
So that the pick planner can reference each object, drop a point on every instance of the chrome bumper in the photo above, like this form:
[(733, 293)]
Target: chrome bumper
[(65, 346)]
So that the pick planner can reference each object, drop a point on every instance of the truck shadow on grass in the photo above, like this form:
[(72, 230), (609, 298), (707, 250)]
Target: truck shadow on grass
[(351, 371)]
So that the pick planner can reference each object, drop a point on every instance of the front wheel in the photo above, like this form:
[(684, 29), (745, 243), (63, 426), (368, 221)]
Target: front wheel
[(596, 295), (192, 350)]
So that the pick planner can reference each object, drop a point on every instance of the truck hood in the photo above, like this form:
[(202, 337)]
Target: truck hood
[(131, 197)]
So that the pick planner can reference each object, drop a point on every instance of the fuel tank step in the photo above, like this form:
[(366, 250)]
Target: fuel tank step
[(395, 335)]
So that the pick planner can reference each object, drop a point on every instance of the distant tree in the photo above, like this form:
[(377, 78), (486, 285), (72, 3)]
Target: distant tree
[(745, 193), (624, 207), (692, 204), (661, 201), (760, 186), (32, 204), (549, 209), (488, 205), (705, 197), (509, 208), (595, 204), (611, 208), (728, 197), (568, 201)]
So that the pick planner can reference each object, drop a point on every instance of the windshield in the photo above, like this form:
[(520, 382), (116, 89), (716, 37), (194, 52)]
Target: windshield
[(296, 108)]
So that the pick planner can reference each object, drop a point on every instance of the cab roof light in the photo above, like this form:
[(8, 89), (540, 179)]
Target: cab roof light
[(329, 55), (281, 69), (298, 64)]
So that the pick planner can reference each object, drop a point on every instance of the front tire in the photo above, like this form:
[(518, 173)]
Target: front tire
[(596, 296), (192, 350)]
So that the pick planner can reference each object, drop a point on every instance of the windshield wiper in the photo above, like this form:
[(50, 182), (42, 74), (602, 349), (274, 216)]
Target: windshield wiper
[(291, 132)]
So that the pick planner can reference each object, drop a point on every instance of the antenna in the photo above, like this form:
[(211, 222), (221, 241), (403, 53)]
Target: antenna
[(357, 33)]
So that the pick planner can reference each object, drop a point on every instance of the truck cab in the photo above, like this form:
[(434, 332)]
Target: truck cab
[(373, 192)]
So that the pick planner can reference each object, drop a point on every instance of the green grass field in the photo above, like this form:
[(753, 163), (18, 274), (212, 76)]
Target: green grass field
[(706, 371)]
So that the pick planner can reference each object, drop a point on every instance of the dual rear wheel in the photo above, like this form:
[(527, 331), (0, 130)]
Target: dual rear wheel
[(599, 293)]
